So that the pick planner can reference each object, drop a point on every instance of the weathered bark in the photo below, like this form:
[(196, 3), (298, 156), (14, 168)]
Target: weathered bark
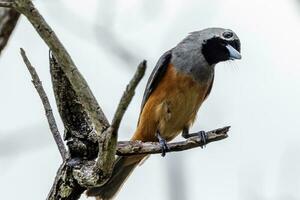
[(8, 20)]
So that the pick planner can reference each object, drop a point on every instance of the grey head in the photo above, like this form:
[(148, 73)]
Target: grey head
[(200, 51)]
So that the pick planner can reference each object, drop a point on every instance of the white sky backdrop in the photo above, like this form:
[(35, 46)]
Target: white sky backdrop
[(258, 96)]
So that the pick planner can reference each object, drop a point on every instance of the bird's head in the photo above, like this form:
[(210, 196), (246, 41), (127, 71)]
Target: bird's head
[(217, 44)]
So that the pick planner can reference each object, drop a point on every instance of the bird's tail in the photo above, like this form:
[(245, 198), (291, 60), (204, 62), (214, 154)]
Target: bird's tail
[(122, 169)]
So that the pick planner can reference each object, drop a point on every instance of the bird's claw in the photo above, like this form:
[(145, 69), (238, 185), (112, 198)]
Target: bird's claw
[(164, 147), (163, 144), (203, 138)]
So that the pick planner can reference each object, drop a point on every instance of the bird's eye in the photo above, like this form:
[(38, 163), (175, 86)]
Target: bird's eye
[(227, 34)]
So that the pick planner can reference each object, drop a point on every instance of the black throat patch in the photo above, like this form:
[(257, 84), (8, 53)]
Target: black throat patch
[(214, 50)]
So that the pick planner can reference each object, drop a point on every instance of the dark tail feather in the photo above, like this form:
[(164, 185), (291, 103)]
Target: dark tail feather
[(122, 169)]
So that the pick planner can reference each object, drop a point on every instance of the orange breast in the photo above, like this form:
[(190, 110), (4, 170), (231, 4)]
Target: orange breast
[(172, 106)]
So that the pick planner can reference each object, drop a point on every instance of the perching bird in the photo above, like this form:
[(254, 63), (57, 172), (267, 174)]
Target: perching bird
[(178, 85)]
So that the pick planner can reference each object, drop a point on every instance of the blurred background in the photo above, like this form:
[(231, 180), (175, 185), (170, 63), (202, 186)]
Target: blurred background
[(258, 96)]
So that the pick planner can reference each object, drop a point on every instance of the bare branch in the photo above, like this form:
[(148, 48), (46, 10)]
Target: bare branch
[(79, 134), (51, 120), (77, 81), (66, 183), (8, 21), (87, 177), (137, 147), (7, 4), (128, 94), (65, 187), (107, 146)]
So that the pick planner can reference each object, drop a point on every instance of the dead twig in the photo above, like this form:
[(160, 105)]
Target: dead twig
[(128, 94), (50, 117), (107, 146), (7, 4)]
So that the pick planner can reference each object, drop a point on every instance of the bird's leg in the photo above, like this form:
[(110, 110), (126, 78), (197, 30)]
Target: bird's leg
[(185, 133), (163, 144), (202, 134)]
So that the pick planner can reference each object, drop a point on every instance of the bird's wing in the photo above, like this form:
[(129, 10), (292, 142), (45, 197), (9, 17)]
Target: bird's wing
[(156, 75), (209, 88)]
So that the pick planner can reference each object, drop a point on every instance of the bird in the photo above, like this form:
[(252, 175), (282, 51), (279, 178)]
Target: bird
[(180, 82)]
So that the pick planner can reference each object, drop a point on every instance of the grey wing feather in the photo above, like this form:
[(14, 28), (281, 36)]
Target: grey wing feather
[(156, 75)]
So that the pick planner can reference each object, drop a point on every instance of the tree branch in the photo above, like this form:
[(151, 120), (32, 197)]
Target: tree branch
[(87, 177), (7, 4), (51, 120), (136, 147), (85, 173), (107, 146), (77, 81), (128, 94), (8, 21)]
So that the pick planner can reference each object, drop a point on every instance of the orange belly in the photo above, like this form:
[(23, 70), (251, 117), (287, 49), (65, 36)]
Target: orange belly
[(172, 106)]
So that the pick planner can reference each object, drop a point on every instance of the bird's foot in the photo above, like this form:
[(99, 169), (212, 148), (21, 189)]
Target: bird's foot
[(163, 145), (203, 138)]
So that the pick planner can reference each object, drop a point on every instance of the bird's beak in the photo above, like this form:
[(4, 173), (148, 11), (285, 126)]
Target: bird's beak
[(233, 53)]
